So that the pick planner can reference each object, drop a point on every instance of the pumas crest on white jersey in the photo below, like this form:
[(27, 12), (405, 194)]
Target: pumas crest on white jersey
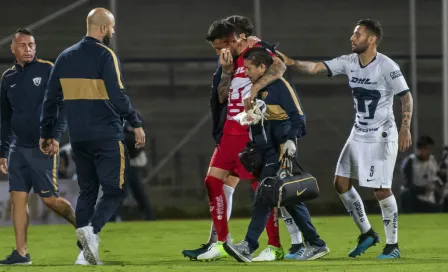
[(373, 87)]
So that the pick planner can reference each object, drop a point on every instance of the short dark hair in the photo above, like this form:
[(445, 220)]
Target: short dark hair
[(218, 30), (241, 24), (23, 31), (258, 56), (424, 141), (373, 26)]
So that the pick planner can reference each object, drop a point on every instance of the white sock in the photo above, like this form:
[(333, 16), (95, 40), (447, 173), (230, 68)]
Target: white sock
[(228, 192), (389, 210), (294, 231), (353, 203)]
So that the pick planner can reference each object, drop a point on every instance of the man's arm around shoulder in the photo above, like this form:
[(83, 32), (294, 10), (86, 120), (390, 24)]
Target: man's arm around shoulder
[(274, 72), (306, 67)]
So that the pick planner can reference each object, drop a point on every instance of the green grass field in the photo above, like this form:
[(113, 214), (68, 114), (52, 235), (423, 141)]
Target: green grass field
[(157, 246)]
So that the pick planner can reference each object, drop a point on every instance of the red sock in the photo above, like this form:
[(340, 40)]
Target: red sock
[(272, 229), (218, 206), (272, 225)]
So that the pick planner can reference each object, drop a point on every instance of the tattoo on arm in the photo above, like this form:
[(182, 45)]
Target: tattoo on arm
[(407, 105), (321, 71), (224, 87), (309, 67), (274, 72)]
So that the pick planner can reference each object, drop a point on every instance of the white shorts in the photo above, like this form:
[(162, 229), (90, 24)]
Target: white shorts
[(372, 164)]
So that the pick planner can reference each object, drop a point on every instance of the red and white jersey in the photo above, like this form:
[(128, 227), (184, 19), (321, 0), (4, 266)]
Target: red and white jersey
[(239, 88)]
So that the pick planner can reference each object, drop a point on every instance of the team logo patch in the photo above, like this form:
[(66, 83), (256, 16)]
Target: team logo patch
[(37, 81), (264, 95), (395, 74)]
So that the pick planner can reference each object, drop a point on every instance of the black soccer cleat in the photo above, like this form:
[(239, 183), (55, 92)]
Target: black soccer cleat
[(365, 241), (294, 251), (194, 253), (16, 259), (390, 251)]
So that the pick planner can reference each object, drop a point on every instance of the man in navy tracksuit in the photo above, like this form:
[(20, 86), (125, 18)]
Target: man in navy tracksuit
[(22, 94), (87, 78), (274, 137)]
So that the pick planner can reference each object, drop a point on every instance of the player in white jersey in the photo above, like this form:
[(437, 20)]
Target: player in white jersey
[(370, 152)]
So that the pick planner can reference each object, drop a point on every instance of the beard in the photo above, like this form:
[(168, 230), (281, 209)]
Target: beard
[(359, 49), (107, 38)]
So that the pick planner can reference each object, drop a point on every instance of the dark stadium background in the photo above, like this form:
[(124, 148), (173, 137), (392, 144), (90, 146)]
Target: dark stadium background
[(168, 69)]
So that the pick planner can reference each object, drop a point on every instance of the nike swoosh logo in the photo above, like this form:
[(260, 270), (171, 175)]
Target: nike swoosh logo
[(369, 180), (12, 86), (269, 164), (44, 192), (300, 193)]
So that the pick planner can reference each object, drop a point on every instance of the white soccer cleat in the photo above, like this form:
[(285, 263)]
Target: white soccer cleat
[(82, 261), (215, 252), (270, 254), (90, 243)]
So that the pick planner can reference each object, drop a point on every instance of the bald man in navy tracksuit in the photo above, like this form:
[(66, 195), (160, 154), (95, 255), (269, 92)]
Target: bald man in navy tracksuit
[(87, 78)]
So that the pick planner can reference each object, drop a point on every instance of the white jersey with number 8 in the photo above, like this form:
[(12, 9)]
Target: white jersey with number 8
[(370, 153)]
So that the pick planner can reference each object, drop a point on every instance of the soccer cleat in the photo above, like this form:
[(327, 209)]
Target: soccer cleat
[(310, 253), (16, 259), (271, 253), (194, 253), (366, 240), (89, 242), (82, 261), (241, 251), (294, 251), (214, 252), (390, 252)]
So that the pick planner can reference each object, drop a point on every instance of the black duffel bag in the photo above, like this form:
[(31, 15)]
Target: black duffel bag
[(292, 185)]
